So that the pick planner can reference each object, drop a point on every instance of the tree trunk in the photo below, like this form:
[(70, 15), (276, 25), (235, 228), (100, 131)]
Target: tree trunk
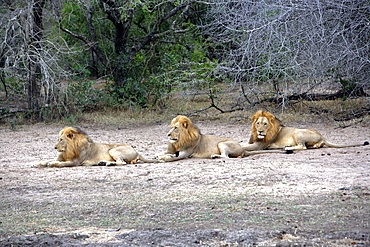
[(122, 27), (122, 56), (97, 55), (34, 88)]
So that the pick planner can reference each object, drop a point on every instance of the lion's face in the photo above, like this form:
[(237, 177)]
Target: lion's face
[(70, 142), (262, 126), (61, 144), (265, 126), (182, 131), (66, 138), (174, 133)]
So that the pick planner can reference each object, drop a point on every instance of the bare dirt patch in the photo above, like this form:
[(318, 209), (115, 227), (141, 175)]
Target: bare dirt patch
[(314, 197)]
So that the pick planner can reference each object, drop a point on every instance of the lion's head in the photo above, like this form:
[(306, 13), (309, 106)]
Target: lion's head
[(71, 141), (182, 132), (265, 126)]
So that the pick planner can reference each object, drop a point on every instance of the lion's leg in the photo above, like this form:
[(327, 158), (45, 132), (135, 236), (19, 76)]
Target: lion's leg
[(227, 149), (57, 163), (60, 164), (299, 142), (176, 156), (300, 146), (253, 146), (42, 164), (318, 144), (169, 157), (224, 151), (122, 154), (305, 138)]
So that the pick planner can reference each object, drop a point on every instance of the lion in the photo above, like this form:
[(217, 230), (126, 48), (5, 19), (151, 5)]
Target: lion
[(269, 133), (77, 149), (186, 141)]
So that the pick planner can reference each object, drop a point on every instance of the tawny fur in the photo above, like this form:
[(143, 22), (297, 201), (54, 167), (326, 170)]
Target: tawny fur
[(76, 148), (269, 133), (186, 141)]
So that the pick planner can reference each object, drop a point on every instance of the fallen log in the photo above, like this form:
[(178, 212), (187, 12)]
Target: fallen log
[(343, 93)]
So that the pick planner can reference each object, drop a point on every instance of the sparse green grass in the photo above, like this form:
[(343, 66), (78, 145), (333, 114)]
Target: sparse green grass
[(136, 211)]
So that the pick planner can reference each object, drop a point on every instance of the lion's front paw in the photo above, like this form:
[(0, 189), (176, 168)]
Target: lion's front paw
[(157, 159), (40, 165), (53, 164), (166, 157), (288, 148)]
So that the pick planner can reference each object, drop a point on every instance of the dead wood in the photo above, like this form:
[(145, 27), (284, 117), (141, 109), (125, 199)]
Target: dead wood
[(343, 93)]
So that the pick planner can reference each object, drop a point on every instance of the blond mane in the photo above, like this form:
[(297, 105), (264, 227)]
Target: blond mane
[(189, 133), (275, 125), (76, 139)]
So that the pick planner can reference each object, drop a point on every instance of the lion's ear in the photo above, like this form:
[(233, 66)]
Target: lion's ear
[(70, 133), (270, 116), (185, 124), (257, 115)]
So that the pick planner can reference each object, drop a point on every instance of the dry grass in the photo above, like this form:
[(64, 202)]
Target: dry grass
[(195, 105)]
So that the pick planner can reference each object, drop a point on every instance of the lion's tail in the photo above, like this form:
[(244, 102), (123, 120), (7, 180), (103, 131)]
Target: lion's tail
[(147, 160), (248, 153), (333, 145)]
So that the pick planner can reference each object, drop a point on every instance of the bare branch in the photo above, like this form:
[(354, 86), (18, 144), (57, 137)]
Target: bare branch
[(300, 45)]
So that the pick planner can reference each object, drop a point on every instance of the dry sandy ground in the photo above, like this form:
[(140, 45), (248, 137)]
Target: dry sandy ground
[(314, 197)]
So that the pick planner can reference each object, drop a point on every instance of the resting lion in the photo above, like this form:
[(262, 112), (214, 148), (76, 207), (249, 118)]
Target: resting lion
[(77, 149), (269, 133), (186, 141)]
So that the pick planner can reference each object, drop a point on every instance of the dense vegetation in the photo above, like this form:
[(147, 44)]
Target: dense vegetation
[(67, 56)]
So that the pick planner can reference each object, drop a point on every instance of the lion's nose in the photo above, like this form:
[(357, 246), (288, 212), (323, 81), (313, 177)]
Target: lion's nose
[(55, 147), (168, 134)]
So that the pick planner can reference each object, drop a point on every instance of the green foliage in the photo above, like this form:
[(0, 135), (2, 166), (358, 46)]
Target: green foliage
[(16, 87), (195, 70), (82, 96), (348, 85), (178, 63), (71, 120), (98, 33)]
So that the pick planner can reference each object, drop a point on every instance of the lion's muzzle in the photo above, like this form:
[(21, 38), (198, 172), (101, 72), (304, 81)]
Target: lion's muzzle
[(172, 140), (260, 135)]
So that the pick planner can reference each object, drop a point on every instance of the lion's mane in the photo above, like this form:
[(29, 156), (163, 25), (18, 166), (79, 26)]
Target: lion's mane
[(76, 140), (274, 128), (189, 133)]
